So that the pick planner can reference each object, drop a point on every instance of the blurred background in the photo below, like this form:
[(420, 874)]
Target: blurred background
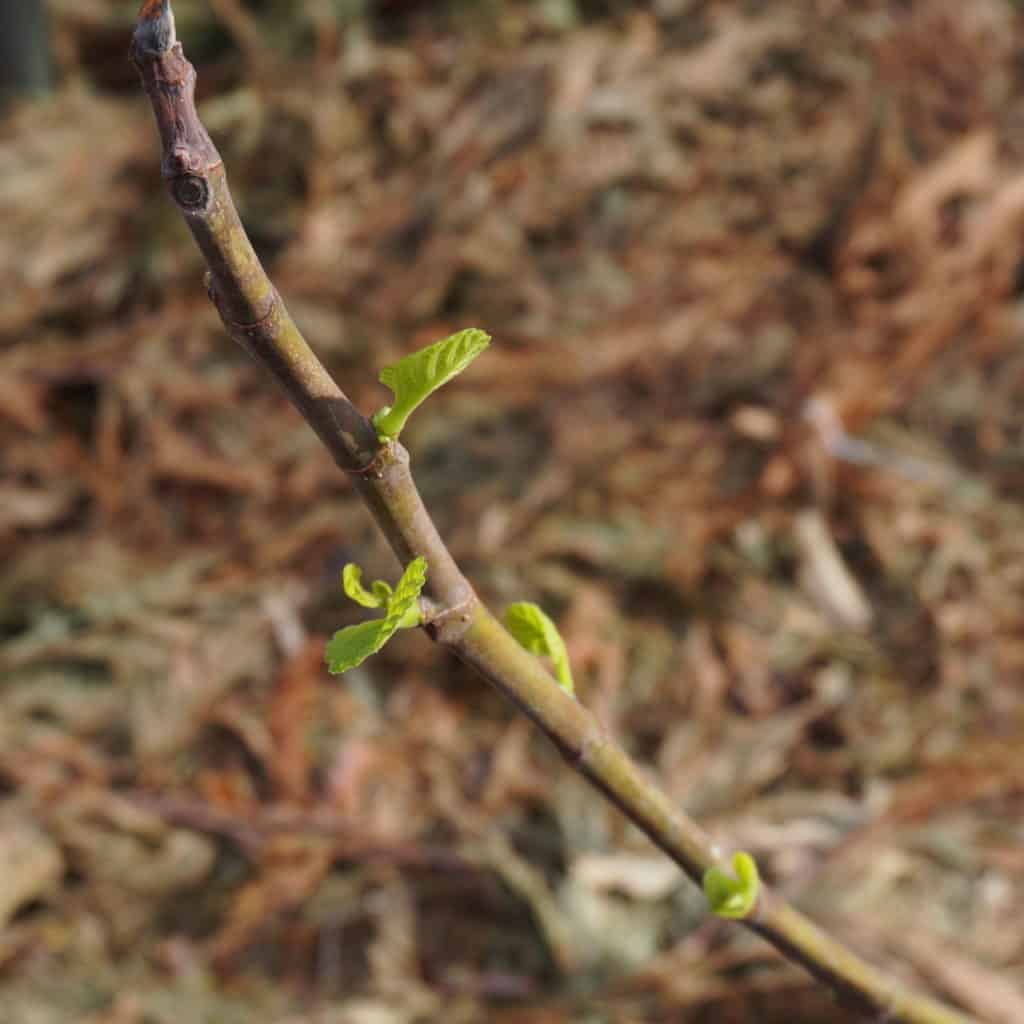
[(752, 431)]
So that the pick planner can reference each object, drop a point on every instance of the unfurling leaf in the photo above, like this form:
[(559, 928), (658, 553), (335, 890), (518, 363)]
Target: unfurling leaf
[(402, 609), (416, 376), (730, 896), (352, 581), (354, 644), (536, 632)]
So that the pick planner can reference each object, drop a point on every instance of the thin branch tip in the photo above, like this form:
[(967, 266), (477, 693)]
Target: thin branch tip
[(154, 30)]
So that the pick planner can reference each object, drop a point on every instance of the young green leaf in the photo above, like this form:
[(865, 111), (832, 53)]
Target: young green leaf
[(354, 644), (730, 896), (352, 581), (416, 376), (533, 630), (404, 600)]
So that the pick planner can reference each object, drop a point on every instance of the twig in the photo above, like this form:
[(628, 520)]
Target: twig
[(251, 833), (256, 318)]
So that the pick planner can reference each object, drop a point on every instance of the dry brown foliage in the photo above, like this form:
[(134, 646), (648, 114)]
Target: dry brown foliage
[(752, 429)]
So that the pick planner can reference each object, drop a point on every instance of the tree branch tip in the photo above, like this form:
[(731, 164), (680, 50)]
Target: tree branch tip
[(154, 31)]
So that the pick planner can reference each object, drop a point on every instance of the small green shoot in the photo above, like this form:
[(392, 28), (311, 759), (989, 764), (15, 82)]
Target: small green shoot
[(417, 376), (536, 632), (729, 896), (352, 581), (352, 645)]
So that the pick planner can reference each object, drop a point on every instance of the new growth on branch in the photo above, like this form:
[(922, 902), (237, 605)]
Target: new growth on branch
[(433, 592)]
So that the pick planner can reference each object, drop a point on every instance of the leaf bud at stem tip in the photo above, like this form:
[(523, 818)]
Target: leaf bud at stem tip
[(154, 31)]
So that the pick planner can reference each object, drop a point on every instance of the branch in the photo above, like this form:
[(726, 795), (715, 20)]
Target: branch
[(256, 318)]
